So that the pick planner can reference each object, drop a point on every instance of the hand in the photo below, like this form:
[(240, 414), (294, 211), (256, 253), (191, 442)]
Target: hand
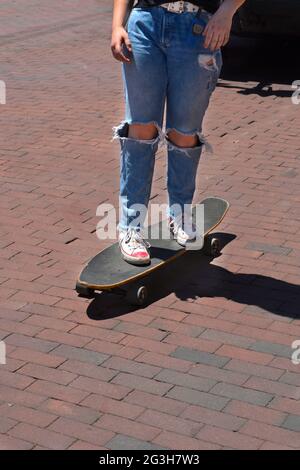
[(217, 31), (118, 39)]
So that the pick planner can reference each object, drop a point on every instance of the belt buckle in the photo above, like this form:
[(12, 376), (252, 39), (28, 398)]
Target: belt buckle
[(171, 7)]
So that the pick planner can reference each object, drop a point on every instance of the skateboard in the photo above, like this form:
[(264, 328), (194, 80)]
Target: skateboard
[(107, 271)]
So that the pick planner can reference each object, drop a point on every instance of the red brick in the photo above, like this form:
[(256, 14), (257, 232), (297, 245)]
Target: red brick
[(175, 327), (193, 343), (196, 308), (169, 422), (172, 440), (257, 413), (30, 343), (14, 379), (206, 416), (245, 355), (23, 397), (70, 410), (89, 370), (98, 333), (46, 373), (276, 388), (44, 437), (108, 323), (263, 334), (272, 434), (51, 323), (81, 431), (164, 361), (18, 327), (244, 319), (110, 406), (288, 329), (275, 446), (135, 329), (132, 367), (32, 297), (6, 424), (9, 443), (150, 345), (46, 310), (212, 323), (267, 372), (227, 438), (154, 402), (13, 315), (128, 427), (221, 375), (27, 415), (131, 381), (60, 392), (64, 338), (95, 386), (48, 360), (284, 364), (108, 348), (82, 445), (168, 314), (286, 404)]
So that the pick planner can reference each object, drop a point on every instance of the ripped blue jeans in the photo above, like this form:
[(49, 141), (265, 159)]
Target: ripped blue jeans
[(169, 64)]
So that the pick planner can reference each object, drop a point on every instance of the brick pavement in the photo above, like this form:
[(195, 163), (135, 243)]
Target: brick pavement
[(207, 365)]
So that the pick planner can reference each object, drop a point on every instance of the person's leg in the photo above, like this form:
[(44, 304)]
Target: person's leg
[(145, 82), (193, 72)]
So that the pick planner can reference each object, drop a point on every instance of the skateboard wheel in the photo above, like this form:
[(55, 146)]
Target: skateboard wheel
[(212, 247), (137, 296), (215, 247), (84, 291)]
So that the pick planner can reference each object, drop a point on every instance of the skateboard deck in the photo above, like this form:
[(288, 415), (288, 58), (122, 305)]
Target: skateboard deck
[(108, 271)]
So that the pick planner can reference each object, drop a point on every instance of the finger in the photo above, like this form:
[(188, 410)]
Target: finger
[(208, 37), (128, 44), (206, 29), (123, 57), (119, 55), (214, 42), (220, 42), (226, 39)]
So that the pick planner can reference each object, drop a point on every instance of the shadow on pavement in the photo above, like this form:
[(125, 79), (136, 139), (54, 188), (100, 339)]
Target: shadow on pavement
[(268, 61), (193, 276)]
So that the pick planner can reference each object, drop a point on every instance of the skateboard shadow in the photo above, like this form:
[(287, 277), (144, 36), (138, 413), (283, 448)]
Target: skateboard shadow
[(193, 276)]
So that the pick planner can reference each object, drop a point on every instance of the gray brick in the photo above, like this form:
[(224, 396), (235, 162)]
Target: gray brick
[(27, 342), (290, 378), (248, 368), (194, 397), (141, 383), (121, 442), (243, 394), (80, 354), (194, 355), (267, 248), (132, 367), (272, 348), (292, 423), (185, 380), (227, 338)]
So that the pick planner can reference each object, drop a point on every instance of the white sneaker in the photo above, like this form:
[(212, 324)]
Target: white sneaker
[(182, 232), (134, 249)]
